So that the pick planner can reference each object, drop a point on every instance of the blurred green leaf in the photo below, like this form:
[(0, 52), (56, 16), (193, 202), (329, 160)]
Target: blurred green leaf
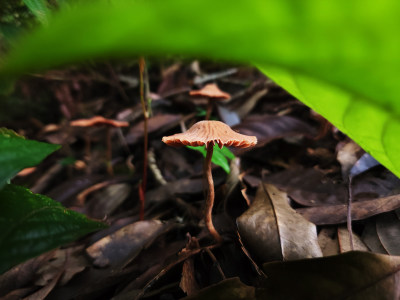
[(372, 126), (219, 157), (67, 161), (39, 9), (31, 224), (200, 112), (7, 86), (340, 57), (17, 153), (227, 153)]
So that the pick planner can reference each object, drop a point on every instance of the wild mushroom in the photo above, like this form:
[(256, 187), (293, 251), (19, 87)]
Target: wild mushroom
[(208, 133), (212, 93), (98, 121)]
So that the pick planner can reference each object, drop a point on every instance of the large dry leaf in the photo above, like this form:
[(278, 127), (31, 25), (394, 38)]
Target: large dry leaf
[(371, 239), (311, 187), (22, 274), (273, 230), (259, 229), (328, 241), (336, 214), (179, 187), (353, 275), (229, 289), (388, 230), (308, 187), (344, 241), (159, 123), (268, 128), (122, 246), (107, 200)]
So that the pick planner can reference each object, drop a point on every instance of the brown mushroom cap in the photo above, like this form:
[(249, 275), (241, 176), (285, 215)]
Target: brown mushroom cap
[(211, 91), (98, 121), (210, 132)]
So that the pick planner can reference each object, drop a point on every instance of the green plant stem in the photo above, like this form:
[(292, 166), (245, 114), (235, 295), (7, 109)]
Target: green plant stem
[(142, 187), (210, 195)]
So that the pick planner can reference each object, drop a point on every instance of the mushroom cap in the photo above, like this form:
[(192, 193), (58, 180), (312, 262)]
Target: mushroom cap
[(98, 121), (211, 91), (210, 132)]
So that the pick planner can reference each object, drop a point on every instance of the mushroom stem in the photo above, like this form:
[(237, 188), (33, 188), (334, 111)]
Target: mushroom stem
[(209, 109), (210, 194)]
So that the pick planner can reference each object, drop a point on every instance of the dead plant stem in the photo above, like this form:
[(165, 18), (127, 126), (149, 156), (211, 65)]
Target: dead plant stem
[(142, 187), (110, 169), (349, 226)]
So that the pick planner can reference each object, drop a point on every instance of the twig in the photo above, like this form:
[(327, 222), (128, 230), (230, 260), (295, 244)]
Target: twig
[(154, 168), (110, 169), (142, 187), (216, 263), (117, 83), (258, 270), (349, 226), (182, 257)]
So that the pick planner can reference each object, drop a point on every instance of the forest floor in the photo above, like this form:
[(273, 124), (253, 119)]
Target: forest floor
[(296, 181)]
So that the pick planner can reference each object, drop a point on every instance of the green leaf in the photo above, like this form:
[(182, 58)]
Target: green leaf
[(227, 153), (39, 9), (7, 86), (31, 224), (219, 157), (67, 161), (340, 57), (372, 126), (17, 153)]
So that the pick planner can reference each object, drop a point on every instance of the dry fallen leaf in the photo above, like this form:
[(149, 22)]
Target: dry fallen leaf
[(371, 239), (336, 214), (352, 275), (105, 201), (158, 123), (328, 241), (269, 127), (309, 187), (188, 282), (388, 230), (344, 241), (122, 246), (228, 289), (273, 230)]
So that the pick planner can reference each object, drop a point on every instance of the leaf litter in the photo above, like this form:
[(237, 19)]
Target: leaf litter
[(288, 198)]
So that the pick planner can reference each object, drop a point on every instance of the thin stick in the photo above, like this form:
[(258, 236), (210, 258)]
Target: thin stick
[(216, 263), (210, 195), (110, 169), (117, 83), (349, 227), (142, 187)]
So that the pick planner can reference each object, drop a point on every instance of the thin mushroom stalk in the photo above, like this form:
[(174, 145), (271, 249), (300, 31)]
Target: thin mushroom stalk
[(209, 109), (210, 194), (213, 94), (100, 121), (210, 133)]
